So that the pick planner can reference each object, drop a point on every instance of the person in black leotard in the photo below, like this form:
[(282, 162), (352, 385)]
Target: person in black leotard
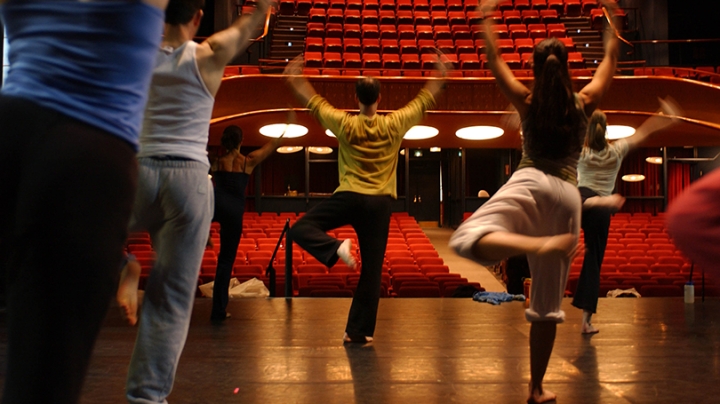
[(231, 175)]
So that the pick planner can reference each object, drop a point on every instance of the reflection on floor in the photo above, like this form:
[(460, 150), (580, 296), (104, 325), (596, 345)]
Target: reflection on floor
[(649, 350)]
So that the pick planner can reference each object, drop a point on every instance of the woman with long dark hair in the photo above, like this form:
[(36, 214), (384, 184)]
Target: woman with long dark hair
[(597, 173), (232, 173), (537, 212)]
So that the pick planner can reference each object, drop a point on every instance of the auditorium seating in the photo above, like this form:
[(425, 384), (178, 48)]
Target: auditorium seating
[(655, 266), (409, 256)]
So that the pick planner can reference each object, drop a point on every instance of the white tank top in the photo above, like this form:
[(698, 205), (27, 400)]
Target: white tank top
[(177, 116)]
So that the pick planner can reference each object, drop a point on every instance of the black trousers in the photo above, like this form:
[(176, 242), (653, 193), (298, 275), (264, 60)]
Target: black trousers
[(596, 225), (67, 191), (230, 233), (369, 215)]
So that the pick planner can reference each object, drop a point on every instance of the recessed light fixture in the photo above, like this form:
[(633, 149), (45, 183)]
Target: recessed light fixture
[(479, 132), (289, 149), (619, 132), (320, 150), (435, 149), (275, 130), (418, 153), (329, 133), (633, 177), (654, 160), (421, 132)]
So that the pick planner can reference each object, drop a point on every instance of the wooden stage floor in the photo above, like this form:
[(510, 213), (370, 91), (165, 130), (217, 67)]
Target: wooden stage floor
[(649, 350)]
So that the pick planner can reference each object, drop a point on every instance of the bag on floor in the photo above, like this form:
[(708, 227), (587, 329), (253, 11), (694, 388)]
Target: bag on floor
[(207, 288), (251, 288)]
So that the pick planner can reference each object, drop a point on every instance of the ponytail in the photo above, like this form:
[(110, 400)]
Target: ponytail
[(597, 128), (553, 118)]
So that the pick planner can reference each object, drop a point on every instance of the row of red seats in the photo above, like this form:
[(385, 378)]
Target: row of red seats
[(424, 73), (412, 46), (637, 265), (435, 17), (560, 7), (704, 73), (393, 61), (410, 31)]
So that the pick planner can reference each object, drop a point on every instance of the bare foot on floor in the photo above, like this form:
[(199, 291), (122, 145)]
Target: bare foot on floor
[(588, 328), (541, 396), (562, 244), (127, 294)]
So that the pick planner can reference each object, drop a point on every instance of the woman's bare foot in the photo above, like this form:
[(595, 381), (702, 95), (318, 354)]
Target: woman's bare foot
[(588, 328), (540, 395), (127, 294), (562, 244), (613, 202), (357, 339)]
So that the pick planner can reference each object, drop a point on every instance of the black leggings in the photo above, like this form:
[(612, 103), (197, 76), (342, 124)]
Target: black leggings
[(230, 233), (67, 193), (595, 225)]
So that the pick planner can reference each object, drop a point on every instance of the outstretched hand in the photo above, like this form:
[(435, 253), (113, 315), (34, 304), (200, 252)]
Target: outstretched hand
[(670, 107), (295, 66)]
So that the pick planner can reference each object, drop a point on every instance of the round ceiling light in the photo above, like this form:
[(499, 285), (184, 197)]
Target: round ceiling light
[(619, 132), (329, 133), (289, 149), (479, 132), (420, 132), (633, 177), (275, 130), (654, 160), (320, 150)]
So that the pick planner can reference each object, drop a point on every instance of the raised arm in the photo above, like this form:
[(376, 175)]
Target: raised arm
[(436, 86), (515, 91), (254, 159), (218, 50), (593, 92), (666, 116), (301, 86)]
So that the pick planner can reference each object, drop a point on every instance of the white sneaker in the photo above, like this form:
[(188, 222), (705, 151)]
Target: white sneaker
[(345, 253)]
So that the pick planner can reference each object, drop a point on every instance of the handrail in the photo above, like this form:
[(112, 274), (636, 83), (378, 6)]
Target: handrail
[(267, 26), (612, 25)]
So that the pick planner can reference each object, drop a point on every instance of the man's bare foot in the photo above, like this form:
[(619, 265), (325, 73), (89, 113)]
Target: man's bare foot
[(562, 244), (361, 339), (588, 328), (613, 202), (540, 395), (127, 294)]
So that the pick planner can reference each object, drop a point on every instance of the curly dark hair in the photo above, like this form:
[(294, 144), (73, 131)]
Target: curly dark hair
[(554, 121), (232, 137)]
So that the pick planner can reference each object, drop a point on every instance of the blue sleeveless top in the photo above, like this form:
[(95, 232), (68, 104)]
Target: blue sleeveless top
[(91, 61)]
